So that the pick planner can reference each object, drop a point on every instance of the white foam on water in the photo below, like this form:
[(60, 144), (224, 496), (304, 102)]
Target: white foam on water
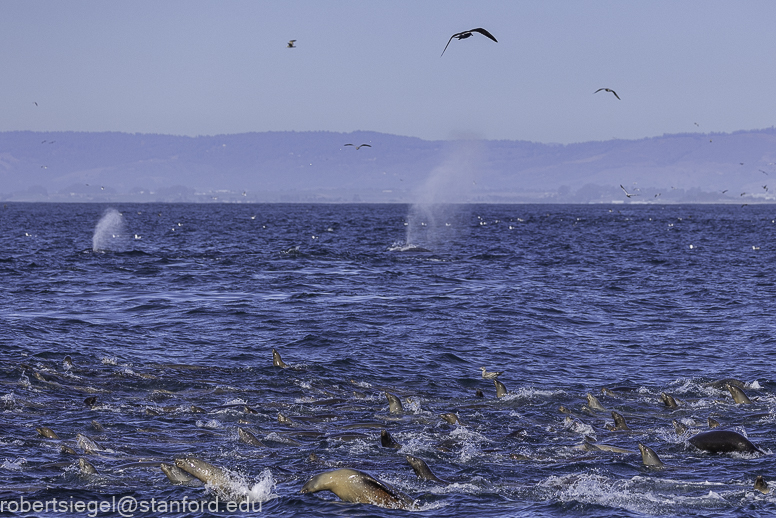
[(212, 424), (14, 465)]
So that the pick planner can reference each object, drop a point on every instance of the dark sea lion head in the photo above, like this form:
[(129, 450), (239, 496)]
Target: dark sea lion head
[(394, 403), (501, 389), (761, 485), (738, 395), (649, 457), (422, 470), (450, 417), (619, 421), (277, 361), (45, 431), (668, 400), (679, 427), (593, 403), (387, 441)]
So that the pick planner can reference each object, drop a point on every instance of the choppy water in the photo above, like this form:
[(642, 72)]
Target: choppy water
[(170, 314)]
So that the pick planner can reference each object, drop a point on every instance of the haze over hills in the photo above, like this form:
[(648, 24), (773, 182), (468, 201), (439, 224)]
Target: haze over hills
[(317, 166)]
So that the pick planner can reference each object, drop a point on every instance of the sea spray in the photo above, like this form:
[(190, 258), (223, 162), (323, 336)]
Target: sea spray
[(451, 182), (109, 232)]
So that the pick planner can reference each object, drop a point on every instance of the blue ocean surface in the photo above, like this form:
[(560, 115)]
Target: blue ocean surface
[(142, 333)]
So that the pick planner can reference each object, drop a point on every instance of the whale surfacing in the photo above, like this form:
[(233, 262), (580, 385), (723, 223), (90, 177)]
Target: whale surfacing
[(355, 486), (723, 441)]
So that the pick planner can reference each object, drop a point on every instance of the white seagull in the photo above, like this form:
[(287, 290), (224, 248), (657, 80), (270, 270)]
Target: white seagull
[(490, 375)]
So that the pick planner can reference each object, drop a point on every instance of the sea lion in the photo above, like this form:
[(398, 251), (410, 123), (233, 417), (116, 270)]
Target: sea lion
[(501, 390), (619, 422), (478, 393), (282, 419), (713, 423), (608, 392), (86, 467), (594, 404), (387, 441), (649, 457), (67, 450), (355, 486), (450, 418), (761, 485), (248, 438), (90, 401), (97, 426), (277, 361), (87, 444), (679, 427), (176, 475), (589, 446), (422, 470), (394, 403), (738, 395), (215, 477), (48, 433), (723, 441), (668, 400), (720, 384)]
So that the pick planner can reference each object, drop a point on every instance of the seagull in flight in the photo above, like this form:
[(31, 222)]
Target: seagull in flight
[(291, 44), (468, 34), (608, 90), (358, 147), (626, 192)]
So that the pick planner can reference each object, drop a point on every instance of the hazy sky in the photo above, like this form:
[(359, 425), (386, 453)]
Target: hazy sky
[(212, 67)]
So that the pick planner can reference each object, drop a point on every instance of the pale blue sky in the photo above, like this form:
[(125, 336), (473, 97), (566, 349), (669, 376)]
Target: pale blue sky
[(212, 67)]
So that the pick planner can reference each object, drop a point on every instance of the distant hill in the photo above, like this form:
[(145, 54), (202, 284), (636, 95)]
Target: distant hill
[(317, 166)]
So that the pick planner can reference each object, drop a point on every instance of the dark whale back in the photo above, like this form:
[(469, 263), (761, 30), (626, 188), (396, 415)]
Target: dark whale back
[(723, 441)]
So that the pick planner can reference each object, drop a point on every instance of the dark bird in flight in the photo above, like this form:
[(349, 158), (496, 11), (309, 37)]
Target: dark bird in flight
[(358, 147), (763, 172), (33, 102), (626, 192), (291, 44), (468, 34), (608, 90)]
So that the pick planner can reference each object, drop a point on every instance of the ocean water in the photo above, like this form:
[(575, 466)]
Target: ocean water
[(169, 314)]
